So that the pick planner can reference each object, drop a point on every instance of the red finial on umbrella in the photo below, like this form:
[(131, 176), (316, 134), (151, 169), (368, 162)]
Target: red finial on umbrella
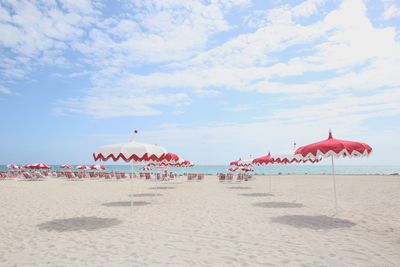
[(330, 134)]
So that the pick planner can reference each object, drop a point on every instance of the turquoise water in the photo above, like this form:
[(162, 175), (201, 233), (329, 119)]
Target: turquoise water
[(271, 169)]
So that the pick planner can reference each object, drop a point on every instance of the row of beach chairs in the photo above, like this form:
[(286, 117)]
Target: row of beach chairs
[(195, 176), (229, 177)]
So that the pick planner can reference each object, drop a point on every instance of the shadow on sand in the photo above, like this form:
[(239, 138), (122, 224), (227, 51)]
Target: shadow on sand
[(78, 224), (146, 195), (125, 204), (257, 195), (319, 222), (240, 187), (162, 187), (278, 205)]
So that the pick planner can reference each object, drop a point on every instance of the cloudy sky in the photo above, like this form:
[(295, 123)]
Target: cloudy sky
[(211, 80)]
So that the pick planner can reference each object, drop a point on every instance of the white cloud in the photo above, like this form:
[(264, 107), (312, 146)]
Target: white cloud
[(392, 10), (4, 90), (307, 8), (122, 102)]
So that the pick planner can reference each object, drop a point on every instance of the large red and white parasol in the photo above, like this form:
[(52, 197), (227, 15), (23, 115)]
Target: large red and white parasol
[(131, 152), (332, 147)]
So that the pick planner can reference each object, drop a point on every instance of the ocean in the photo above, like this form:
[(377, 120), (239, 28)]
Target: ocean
[(269, 169)]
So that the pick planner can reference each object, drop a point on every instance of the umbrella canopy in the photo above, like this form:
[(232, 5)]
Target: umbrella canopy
[(97, 167), (263, 160), (82, 167), (130, 152), (334, 147), (12, 166), (66, 166)]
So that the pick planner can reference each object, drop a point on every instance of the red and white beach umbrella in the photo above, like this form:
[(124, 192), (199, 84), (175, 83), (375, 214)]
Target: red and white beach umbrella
[(97, 167), (12, 166), (82, 167), (39, 166), (66, 166), (130, 152), (332, 147)]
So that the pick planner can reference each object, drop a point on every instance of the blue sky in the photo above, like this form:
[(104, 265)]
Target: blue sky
[(210, 80)]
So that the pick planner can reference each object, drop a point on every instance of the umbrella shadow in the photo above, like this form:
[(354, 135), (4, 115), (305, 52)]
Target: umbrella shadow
[(146, 195), (257, 195), (277, 205), (78, 224), (319, 222), (162, 187), (126, 204), (240, 187)]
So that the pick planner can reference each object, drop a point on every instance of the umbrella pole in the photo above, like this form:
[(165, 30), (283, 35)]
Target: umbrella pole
[(296, 187), (334, 184), (132, 188)]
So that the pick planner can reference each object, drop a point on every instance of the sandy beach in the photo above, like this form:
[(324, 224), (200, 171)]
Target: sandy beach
[(207, 223)]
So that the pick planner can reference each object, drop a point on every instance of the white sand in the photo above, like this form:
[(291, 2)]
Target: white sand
[(207, 223)]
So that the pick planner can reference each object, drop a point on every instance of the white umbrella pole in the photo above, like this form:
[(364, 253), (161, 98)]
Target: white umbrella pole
[(132, 188), (334, 184), (296, 187)]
